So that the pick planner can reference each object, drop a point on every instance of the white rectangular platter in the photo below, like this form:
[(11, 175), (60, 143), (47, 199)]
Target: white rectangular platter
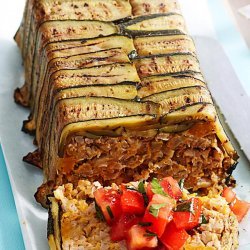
[(25, 179)]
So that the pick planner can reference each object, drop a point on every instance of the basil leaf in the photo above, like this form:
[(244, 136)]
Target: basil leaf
[(99, 213), (110, 212), (157, 188), (181, 184), (154, 208), (141, 187), (187, 206)]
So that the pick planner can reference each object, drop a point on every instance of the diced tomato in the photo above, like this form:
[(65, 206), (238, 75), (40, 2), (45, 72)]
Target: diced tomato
[(120, 227), (228, 194), (171, 187), (132, 202), (188, 220), (240, 208), (165, 214), (138, 238), (109, 200), (174, 238), (149, 192)]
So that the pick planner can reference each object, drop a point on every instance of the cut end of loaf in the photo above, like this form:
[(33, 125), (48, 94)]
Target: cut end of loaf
[(194, 154)]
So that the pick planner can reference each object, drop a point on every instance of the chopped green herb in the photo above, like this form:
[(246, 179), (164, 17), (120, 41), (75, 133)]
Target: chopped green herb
[(149, 234), (157, 188), (154, 208), (142, 190), (181, 184), (110, 212), (145, 224), (203, 220), (187, 206), (141, 187), (99, 213)]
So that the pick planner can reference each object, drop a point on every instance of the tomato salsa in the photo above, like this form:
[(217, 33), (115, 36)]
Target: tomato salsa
[(154, 215)]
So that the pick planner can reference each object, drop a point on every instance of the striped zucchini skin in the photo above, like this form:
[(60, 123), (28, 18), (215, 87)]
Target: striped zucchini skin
[(87, 60), (99, 108), (110, 74), (37, 12), (155, 24), (55, 51), (53, 226), (120, 71), (52, 31)]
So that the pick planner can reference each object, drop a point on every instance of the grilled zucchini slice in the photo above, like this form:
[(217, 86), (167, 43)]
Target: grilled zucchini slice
[(173, 99), (52, 31), (80, 46), (97, 108), (68, 51), (74, 115), (101, 10), (64, 49), (156, 45), (190, 113), (145, 7), (155, 84), (122, 91), (41, 89), (103, 127), (45, 10), (170, 23), (64, 79), (162, 64), (106, 74), (87, 60)]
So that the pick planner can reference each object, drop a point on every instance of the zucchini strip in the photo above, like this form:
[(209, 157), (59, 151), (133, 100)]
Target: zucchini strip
[(52, 31), (162, 64), (155, 24), (103, 75), (156, 45), (175, 98), (156, 84), (64, 49), (145, 7), (75, 62)]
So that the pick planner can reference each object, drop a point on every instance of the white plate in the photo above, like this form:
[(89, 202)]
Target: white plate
[(25, 179)]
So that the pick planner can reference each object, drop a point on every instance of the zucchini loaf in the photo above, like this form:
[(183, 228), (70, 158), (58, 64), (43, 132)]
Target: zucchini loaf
[(116, 95), (76, 219)]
